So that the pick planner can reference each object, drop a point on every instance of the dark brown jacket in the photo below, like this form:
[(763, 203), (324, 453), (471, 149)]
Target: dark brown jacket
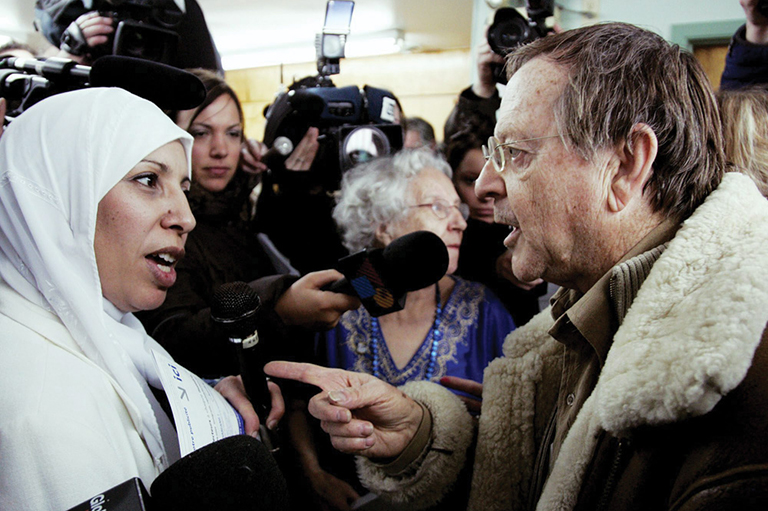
[(678, 417)]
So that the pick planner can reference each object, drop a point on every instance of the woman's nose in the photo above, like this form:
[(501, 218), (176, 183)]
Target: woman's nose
[(179, 215), (219, 145)]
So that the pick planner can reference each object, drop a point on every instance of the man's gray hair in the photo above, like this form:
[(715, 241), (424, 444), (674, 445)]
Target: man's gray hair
[(377, 193), (621, 75)]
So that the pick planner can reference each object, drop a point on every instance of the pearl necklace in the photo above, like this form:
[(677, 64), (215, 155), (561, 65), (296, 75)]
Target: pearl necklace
[(434, 331)]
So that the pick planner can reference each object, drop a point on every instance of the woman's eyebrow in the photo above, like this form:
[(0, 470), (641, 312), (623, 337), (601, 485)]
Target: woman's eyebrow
[(162, 166)]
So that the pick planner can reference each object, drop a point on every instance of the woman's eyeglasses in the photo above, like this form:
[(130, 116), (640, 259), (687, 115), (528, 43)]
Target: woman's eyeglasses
[(443, 209)]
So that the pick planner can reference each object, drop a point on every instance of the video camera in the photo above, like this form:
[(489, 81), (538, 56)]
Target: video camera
[(511, 29), (355, 125), (143, 28)]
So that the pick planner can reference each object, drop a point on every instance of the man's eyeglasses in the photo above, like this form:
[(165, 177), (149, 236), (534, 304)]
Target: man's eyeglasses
[(443, 209), (494, 152)]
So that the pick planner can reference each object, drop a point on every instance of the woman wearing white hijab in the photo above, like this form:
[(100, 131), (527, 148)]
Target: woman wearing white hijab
[(92, 219)]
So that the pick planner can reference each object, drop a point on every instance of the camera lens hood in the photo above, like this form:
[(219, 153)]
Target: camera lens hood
[(509, 30)]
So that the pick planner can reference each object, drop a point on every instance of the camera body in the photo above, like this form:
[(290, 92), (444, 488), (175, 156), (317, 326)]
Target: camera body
[(355, 125), (144, 29), (511, 29)]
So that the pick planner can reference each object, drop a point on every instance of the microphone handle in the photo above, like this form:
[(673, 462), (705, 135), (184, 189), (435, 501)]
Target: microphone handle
[(255, 383), (254, 379), (340, 286)]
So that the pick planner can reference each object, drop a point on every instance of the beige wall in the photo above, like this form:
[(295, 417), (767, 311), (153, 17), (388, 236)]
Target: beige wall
[(427, 84)]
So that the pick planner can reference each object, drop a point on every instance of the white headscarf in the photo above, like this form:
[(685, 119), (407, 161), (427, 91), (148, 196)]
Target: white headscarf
[(57, 161)]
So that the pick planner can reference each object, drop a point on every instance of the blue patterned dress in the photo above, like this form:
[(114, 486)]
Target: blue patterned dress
[(473, 326)]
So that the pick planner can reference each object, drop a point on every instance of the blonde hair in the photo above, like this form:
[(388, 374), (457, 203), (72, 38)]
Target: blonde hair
[(745, 125)]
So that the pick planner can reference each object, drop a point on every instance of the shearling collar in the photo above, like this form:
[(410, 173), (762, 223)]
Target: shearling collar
[(690, 335)]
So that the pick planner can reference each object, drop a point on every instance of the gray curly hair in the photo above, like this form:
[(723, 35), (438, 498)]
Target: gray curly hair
[(376, 193)]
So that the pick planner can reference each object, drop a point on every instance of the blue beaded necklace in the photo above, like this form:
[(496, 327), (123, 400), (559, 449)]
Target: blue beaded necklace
[(434, 331)]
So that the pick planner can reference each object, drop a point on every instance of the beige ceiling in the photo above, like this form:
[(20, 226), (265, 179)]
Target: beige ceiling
[(247, 25), (241, 26)]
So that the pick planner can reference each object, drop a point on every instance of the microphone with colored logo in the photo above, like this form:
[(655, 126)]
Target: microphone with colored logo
[(381, 278)]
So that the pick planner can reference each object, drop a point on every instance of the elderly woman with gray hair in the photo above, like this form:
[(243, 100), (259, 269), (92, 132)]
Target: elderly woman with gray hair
[(447, 332)]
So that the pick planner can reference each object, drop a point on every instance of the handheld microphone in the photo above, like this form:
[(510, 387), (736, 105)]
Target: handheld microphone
[(234, 473), (275, 157), (381, 278), (234, 307)]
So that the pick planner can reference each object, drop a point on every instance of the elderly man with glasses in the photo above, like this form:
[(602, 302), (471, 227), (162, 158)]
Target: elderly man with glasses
[(643, 386)]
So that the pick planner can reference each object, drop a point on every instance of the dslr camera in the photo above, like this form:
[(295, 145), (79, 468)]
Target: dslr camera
[(511, 29), (355, 125)]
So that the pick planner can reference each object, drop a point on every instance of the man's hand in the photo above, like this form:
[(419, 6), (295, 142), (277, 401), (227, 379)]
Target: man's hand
[(486, 81), (233, 390), (305, 304), (335, 493), (362, 414), (94, 28)]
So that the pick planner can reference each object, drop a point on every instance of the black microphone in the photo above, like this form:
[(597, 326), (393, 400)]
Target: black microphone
[(168, 87), (235, 307), (235, 473), (381, 278), (275, 157)]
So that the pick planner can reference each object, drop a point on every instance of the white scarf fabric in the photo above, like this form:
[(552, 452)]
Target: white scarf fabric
[(57, 161)]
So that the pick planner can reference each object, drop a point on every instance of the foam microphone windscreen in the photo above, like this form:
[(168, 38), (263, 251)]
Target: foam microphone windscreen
[(381, 278), (168, 87), (414, 261), (236, 473)]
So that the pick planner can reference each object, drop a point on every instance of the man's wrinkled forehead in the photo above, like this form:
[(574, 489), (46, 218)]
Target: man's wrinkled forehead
[(529, 99)]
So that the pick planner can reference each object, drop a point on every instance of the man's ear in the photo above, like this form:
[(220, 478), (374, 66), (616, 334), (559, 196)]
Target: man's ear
[(634, 169)]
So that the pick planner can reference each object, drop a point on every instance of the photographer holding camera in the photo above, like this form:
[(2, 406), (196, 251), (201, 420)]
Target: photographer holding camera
[(508, 30), (338, 128), (172, 32)]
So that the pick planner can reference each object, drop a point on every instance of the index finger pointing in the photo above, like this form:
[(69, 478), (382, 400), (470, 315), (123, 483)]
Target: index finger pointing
[(305, 373)]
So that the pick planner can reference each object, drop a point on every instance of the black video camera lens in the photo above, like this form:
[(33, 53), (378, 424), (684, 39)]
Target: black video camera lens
[(509, 30)]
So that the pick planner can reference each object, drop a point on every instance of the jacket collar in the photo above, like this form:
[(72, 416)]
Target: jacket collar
[(689, 337)]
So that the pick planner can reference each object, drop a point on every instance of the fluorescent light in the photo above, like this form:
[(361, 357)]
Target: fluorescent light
[(379, 43)]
